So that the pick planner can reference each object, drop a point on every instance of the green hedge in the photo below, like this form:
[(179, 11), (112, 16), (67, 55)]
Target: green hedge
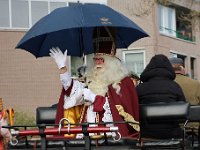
[(23, 118)]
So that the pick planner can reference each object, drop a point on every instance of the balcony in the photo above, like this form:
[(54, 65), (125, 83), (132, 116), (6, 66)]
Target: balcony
[(180, 34)]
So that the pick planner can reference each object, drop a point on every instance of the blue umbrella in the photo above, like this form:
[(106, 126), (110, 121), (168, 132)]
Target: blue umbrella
[(72, 28)]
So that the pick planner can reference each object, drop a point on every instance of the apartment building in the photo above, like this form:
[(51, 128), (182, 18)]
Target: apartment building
[(27, 82)]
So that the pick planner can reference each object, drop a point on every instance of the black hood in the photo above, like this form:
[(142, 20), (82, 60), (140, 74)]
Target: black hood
[(159, 66)]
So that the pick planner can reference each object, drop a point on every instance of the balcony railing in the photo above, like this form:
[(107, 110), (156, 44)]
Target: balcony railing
[(181, 34)]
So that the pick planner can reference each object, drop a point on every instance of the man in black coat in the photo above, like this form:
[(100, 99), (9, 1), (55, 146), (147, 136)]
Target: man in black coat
[(158, 86)]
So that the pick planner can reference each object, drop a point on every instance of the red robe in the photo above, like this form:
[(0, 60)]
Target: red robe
[(128, 99)]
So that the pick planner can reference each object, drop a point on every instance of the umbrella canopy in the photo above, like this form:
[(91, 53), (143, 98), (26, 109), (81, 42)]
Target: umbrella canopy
[(72, 28)]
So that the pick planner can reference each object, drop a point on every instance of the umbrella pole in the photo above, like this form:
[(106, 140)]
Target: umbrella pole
[(81, 42)]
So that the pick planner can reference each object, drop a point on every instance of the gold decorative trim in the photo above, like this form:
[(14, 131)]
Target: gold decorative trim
[(105, 54), (128, 117)]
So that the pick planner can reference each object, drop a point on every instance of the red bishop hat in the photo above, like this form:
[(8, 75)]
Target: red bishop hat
[(104, 40)]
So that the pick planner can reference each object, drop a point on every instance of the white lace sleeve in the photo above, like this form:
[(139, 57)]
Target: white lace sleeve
[(107, 117), (66, 80), (76, 96)]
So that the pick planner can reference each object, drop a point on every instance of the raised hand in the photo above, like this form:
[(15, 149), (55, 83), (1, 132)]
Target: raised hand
[(59, 57)]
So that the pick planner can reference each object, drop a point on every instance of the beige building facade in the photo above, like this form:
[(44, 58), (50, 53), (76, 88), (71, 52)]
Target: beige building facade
[(27, 82)]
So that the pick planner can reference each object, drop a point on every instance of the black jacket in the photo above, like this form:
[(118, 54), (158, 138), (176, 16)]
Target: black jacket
[(158, 82), (157, 86)]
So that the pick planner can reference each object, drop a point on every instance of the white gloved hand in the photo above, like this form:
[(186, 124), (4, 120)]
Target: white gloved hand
[(88, 95), (59, 57)]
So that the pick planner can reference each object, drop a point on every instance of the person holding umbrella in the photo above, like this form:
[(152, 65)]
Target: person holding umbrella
[(108, 94)]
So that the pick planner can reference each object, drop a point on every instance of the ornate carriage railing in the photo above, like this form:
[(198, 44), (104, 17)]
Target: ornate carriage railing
[(45, 116)]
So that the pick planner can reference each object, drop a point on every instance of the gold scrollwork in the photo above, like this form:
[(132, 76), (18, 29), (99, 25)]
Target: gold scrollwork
[(128, 117)]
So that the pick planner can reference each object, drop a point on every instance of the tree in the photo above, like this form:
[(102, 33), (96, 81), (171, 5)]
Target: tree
[(145, 7)]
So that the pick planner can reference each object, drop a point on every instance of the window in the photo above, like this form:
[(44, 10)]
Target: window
[(167, 20), (54, 5), (4, 13), (22, 14), (71, 3), (184, 24), (76, 62), (192, 67), (134, 60), (38, 10)]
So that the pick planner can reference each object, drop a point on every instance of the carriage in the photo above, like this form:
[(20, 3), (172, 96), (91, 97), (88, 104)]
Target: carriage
[(47, 135)]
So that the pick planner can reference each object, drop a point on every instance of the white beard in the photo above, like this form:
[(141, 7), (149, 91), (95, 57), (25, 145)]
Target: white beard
[(97, 82), (111, 73)]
